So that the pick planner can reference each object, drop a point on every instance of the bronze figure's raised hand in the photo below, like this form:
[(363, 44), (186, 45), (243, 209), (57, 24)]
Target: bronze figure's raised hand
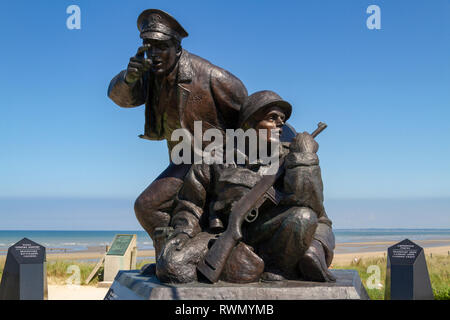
[(138, 65)]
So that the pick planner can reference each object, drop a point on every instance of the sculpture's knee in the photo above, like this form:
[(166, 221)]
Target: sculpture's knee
[(149, 215), (147, 202), (304, 215), (142, 207), (304, 221), (142, 210)]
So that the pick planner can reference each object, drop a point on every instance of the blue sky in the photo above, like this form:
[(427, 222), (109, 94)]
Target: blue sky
[(385, 95)]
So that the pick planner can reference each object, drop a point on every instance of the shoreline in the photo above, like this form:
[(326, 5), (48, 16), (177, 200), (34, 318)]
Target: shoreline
[(345, 251), (376, 246), (89, 255), (346, 258)]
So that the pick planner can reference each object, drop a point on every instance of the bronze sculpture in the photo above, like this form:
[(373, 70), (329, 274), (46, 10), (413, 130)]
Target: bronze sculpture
[(187, 208)]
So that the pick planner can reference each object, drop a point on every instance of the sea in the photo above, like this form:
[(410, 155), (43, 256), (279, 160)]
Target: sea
[(79, 241)]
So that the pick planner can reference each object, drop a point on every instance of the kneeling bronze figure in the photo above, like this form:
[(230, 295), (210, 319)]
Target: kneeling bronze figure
[(291, 236)]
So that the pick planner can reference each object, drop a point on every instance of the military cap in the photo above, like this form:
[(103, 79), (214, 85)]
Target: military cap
[(159, 25), (262, 100)]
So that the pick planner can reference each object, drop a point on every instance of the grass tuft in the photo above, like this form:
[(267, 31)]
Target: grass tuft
[(438, 269), (68, 272)]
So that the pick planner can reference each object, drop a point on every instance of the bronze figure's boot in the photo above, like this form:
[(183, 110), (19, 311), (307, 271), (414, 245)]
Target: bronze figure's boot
[(313, 266), (272, 276), (148, 269), (160, 236), (243, 265)]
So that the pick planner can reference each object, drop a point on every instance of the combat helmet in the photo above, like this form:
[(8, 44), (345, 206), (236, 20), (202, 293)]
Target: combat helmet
[(261, 100)]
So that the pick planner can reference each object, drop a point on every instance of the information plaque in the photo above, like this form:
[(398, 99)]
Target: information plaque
[(120, 244)]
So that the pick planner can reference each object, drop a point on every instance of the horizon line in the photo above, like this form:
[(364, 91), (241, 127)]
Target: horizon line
[(354, 228)]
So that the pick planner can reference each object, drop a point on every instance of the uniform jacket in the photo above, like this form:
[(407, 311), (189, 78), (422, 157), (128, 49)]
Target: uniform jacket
[(204, 92), (223, 185)]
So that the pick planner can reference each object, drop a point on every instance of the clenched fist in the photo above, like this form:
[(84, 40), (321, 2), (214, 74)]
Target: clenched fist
[(137, 66), (304, 142)]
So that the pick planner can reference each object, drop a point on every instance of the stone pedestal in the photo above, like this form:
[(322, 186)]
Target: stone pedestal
[(131, 285), (25, 273), (407, 275)]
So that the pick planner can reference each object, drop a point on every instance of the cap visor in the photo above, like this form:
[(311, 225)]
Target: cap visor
[(155, 36), (283, 105)]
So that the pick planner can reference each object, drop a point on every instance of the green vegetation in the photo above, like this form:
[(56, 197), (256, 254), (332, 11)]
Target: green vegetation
[(59, 271), (2, 264), (438, 268), (142, 263)]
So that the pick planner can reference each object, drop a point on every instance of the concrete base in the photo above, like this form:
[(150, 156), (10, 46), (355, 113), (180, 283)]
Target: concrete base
[(104, 284), (130, 285)]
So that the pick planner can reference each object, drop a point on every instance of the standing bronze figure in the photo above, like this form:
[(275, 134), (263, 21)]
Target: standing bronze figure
[(177, 88)]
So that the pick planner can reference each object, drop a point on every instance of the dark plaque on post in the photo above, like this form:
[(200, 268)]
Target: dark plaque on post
[(407, 274), (25, 273)]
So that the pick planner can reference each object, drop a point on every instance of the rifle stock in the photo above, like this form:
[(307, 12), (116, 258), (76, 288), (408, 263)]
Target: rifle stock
[(212, 266)]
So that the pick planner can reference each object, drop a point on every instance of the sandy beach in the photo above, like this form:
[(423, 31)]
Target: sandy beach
[(92, 255), (344, 258), (377, 249), (347, 252), (73, 292), (344, 252)]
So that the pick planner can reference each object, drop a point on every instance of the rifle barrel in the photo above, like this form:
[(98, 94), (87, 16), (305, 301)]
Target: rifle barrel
[(320, 127)]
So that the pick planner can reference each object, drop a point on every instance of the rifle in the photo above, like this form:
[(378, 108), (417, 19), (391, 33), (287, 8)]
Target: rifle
[(245, 209)]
